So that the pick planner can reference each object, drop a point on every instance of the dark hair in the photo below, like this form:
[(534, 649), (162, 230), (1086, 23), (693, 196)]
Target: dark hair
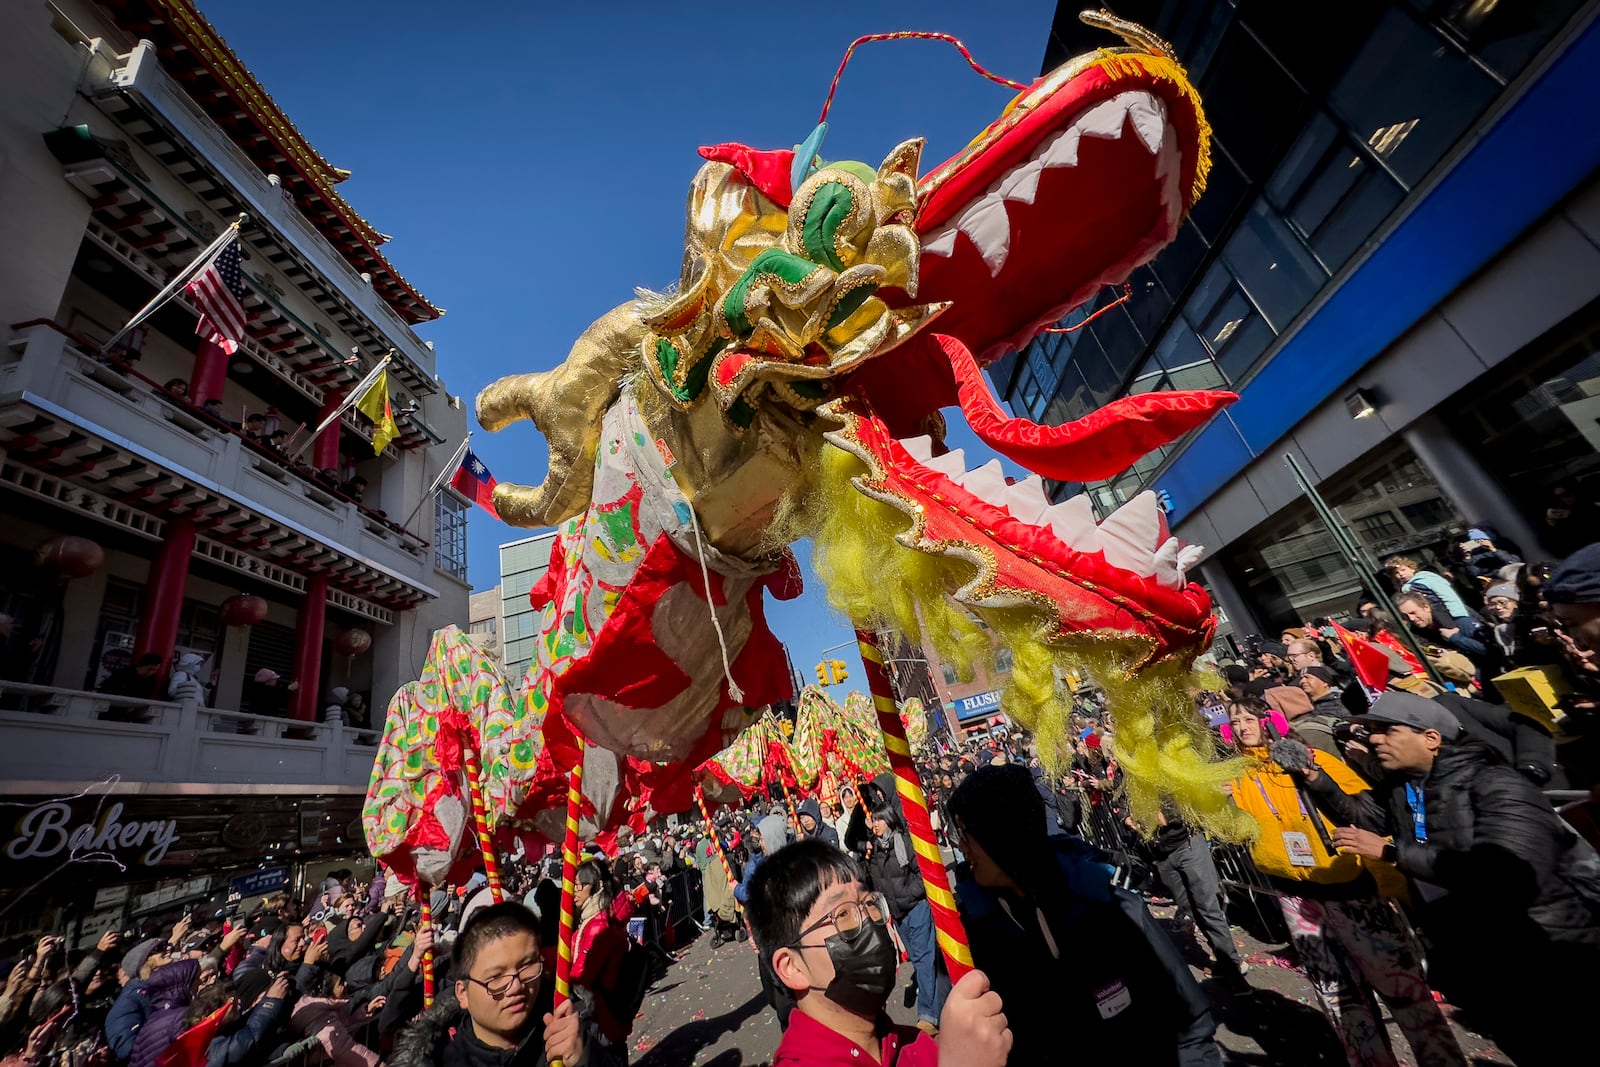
[(49, 1000), (785, 888), (884, 809), (547, 895), (597, 876), (207, 1001), (488, 925), (1002, 809)]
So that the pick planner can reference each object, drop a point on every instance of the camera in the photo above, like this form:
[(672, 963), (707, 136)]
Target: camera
[(1345, 732)]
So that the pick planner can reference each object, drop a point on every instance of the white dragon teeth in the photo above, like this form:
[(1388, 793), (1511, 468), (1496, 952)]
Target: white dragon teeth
[(986, 222), (1129, 534), (921, 448), (952, 464), (989, 227), (1168, 573), (987, 483), (1073, 524), (1133, 538), (1026, 500)]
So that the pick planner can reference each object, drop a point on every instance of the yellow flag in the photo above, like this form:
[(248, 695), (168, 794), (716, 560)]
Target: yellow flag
[(374, 404)]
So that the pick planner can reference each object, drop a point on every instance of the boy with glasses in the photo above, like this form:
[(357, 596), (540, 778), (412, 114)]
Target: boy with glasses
[(828, 942), (499, 979)]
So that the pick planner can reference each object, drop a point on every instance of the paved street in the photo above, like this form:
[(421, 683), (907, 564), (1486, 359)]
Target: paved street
[(709, 1010)]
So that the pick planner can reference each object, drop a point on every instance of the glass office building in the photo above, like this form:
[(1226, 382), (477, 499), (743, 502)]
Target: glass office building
[(1402, 221), (522, 563)]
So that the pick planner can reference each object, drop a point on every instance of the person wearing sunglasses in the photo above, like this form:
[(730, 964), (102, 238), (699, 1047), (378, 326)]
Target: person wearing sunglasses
[(827, 940)]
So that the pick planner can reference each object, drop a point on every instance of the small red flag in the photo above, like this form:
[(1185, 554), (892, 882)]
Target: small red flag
[(1370, 662), (473, 480), (189, 1050)]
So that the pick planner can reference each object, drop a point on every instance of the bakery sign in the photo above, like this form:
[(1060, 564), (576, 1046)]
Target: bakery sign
[(53, 830)]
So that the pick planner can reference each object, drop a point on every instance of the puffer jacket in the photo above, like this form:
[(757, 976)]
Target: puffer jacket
[(168, 990), (901, 885), (1501, 880), (1268, 794)]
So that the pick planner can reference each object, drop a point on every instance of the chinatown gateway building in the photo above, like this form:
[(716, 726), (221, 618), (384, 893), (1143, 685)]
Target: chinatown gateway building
[(130, 136)]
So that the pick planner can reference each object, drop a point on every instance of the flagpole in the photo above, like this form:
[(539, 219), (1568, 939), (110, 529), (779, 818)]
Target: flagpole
[(449, 469), (349, 400), (184, 277)]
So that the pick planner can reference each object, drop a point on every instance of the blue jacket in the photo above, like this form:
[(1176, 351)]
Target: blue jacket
[(742, 891), (230, 1050), (127, 1014), (1115, 980)]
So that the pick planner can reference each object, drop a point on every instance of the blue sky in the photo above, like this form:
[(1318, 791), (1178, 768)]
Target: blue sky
[(531, 159)]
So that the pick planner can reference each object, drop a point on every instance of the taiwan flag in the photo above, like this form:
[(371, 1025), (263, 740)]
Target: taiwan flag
[(472, 479)]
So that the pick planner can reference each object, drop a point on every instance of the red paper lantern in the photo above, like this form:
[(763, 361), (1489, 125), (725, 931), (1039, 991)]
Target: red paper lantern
[(352, 642), (71, 557), (246, 609)]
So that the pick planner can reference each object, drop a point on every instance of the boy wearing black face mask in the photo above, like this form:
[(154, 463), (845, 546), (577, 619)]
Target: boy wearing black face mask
[(827, 940)]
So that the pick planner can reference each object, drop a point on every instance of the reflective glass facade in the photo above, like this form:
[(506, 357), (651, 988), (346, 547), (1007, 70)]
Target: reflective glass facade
[(522, 563), (1326, 117)]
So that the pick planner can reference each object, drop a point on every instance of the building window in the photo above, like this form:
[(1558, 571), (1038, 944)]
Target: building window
[(450, 535), (950, 675), (1272, 267), (1379, 526), (1409, 95), (483, 626), (1505, 36), (1332, 193)]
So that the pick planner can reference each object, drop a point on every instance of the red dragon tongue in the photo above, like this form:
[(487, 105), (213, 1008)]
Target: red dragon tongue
[(1099, 445)]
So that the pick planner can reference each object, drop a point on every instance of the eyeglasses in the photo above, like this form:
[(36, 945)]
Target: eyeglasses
[(849, 918), (500, 984)]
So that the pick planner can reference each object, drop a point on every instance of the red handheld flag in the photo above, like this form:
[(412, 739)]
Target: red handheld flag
[(1370, 662)]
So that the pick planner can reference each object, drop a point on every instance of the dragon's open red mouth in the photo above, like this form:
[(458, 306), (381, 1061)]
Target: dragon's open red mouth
[(1084, 178)]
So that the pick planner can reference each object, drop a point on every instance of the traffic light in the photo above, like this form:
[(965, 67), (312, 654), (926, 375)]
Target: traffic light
[(839, 672), (822, 674)]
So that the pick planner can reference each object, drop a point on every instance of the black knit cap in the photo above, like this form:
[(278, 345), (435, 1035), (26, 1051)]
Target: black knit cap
[(1577, 580)]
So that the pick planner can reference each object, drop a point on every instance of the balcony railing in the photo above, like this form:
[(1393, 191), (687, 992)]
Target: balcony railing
[(143, 77), (50, 362), (71, 736)]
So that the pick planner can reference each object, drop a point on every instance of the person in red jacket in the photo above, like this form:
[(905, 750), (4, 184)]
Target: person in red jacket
[(600, 942), (826, 938)]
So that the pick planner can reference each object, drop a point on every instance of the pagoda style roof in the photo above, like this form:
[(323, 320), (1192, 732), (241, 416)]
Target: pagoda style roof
[(196, 56)]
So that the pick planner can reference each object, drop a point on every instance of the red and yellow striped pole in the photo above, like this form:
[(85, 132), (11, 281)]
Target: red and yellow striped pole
[(425, 902), (935, 879), (727, 868), (480, 819), (569, 868), (788, 798)]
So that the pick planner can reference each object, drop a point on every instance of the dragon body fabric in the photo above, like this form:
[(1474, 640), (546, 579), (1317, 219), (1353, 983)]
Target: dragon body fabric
[(791, 386)]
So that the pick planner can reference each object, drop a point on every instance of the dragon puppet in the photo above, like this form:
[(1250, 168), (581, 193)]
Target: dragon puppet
[(790, 386)]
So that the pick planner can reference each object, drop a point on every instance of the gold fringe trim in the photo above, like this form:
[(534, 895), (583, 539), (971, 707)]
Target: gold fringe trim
[(1143, 65)]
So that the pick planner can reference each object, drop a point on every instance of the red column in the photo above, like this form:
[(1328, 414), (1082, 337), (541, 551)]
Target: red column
[(209, 375), (308, 650), (163, 593), (325, 452)]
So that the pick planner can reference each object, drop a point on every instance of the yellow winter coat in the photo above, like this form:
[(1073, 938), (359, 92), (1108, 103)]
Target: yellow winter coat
[(1268, 793)]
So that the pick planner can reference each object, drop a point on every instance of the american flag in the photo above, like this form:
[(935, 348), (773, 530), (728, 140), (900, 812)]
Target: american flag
[(218, 291)]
